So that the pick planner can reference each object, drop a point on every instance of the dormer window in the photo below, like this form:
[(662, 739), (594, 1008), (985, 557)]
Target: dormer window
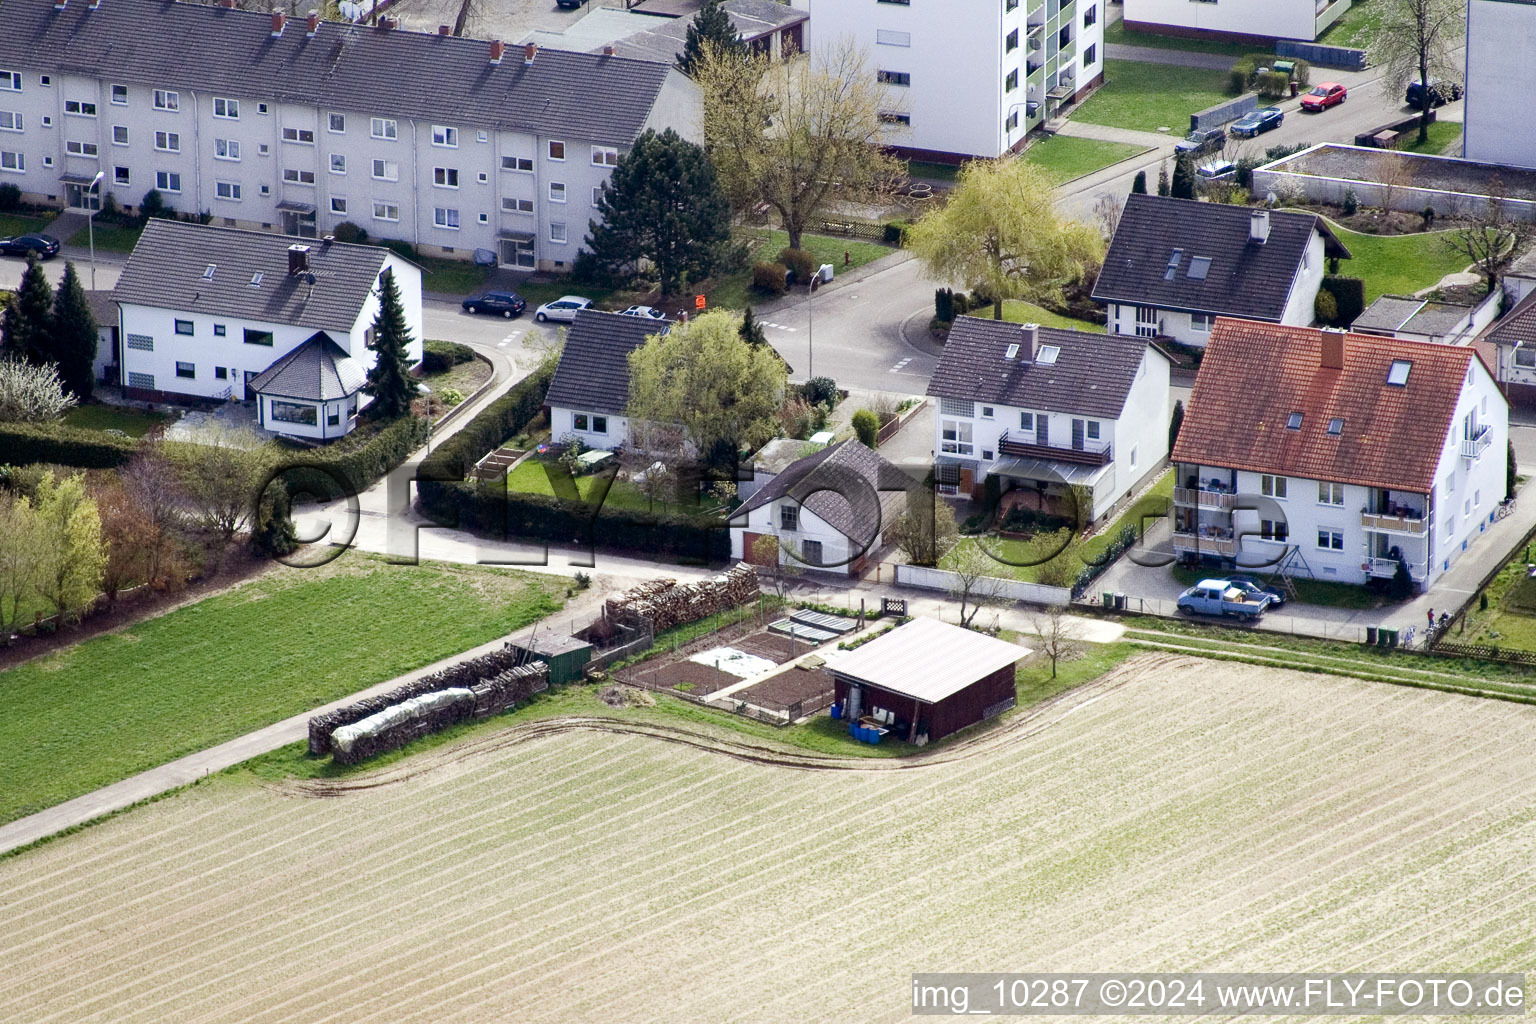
[(1397, 375), (1293, 421), (1336, 426)]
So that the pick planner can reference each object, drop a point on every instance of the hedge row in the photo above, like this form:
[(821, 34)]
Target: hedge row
[(21, 443), (491, 510), (506, 416)]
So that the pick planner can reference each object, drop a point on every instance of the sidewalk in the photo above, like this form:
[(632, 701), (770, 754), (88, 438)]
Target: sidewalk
[(1106, 133)]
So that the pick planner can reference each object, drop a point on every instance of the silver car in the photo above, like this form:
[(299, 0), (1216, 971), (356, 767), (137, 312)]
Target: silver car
[(564, 308)]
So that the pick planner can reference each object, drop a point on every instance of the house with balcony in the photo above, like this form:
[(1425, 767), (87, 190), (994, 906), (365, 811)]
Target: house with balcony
[(969, 79), (1175, 265), (1260, 24), (1335, 456), (1048, 410), (1508, 344), (215, 314)]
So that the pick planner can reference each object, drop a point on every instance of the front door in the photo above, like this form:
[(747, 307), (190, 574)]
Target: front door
[(296, 223), (517, 253), (1077, 435), (250, 375)]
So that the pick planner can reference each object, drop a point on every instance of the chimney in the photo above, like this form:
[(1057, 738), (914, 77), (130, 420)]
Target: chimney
[(497, 49), (609, 51), (279, 19), (529, 52), (1258, 227), (444, 30), (93, 5), (1030, 337), (386, 22), (58, 5), (228, 5), (312, 24), (298, 259), (1332, 355)]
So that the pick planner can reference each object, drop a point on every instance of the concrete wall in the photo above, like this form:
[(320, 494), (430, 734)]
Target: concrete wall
[(942, 579), (1280, 179), (1500, 82)]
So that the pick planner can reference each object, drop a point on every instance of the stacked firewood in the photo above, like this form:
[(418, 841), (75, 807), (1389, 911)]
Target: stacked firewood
[(665, 603), (525, 679)]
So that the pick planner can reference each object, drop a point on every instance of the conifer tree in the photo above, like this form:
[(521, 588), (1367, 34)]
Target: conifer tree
[(710, 27), (752, 330), (390, 381), (28, 317), (72, 343)]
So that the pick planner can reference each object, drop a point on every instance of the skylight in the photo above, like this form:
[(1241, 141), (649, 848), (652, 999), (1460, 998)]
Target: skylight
[(1336, 426), (256, 279), (1173, 264), (208, 274), (1293, 421), (1398, 374), (1048, 353), (1199, 266), (1013, 351)]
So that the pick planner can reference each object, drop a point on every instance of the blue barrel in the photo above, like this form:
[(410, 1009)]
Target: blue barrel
[(874, 736), (837, 712)]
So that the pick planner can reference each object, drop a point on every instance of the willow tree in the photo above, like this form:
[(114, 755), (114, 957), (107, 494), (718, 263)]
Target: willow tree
[(796, 134), (1001, 230)]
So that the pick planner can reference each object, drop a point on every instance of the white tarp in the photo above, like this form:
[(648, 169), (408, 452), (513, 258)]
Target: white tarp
[(737, 663), (346, 737)]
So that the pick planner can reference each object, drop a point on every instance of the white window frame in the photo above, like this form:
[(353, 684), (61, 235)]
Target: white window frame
[(79, 147), (557, 191), (229, 191), (558, 233), (386, 215), (381, 170), (549, 150), (339, 204), (10, 81), (384, 128), (13, 163), (445, 177), (79, 108), (330, 123), (1330, 540), (17, 121), (121, 134), (445, 217), (445, 136), (338, 163), (1330, 494), (163, 142), (512, 204), (299, 136), (1201, 323), (296, 176), (226, 108), (605, 156), (961, 439), (119, 95), (168, 100), (163, 180), (231, 149), (517, 164), (122, 176), (1273, 486)]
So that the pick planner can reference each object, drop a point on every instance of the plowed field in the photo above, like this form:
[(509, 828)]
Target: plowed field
[(1176, 815)]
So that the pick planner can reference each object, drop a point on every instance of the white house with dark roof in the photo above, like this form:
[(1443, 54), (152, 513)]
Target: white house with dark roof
[(588, 398), (829, 510), (656, 32), (270, 123), (1175, 265), (1049, 410), (215, 313)]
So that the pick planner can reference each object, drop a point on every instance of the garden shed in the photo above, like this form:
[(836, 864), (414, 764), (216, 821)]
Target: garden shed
[(566, 656), (925, 679)]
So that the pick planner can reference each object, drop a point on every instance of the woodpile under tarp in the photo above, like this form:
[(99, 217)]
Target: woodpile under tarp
[(664, 603), (494, 682)]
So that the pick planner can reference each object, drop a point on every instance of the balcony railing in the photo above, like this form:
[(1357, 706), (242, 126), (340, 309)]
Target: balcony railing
[(1386, 568), (1204, 499), (1392, 524), (1473, 447), (1205, 544), (1091, 453)]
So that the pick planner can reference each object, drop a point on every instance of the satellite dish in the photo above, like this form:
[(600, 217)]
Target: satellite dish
[(309, 279), (1271, 198)]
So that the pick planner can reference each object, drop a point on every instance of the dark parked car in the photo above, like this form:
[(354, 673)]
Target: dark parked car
[(1257, 122), (1198, 143), (507, 304), (42, 246), (1440, 93), (1249, 585)]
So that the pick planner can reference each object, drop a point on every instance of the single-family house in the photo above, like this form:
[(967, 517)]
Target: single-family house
[(1335, 455), (1048, 409), (1175, 265), (589, 396), (211, 313), (1509, 343), (104, 310), (925, 679), (829, 510)]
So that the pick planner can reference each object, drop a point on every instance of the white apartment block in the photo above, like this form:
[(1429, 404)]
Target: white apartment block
[(450, 144), (1237, 20), (968, 78), (1501, 36), (1335, 455)]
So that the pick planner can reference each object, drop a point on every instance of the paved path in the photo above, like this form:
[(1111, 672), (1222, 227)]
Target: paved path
[(1158, 55), (1107, 133)]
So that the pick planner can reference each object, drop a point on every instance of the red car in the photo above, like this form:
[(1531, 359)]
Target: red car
[(1323, 96)]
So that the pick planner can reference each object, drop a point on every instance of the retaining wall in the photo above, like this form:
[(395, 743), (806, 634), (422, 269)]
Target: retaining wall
[(942, 579), (1344, 58)]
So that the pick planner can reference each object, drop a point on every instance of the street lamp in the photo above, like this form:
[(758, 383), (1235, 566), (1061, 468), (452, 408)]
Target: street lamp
[(90, 219)]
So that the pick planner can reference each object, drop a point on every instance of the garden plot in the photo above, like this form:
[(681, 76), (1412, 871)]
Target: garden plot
[(1178, 814), (738, 663)]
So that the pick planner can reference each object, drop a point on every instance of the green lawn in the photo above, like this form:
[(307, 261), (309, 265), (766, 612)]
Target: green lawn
[(133, 422), (735, 291), (276, 646), (1442, 136), (1397, 264), (1357, 27), (450, 276), (1510, 618), (1026, 559), (1146, 97), (1064, 157), (530, 477), (12, 224), (109, 237), (1117, 33), (933, 172), (1029, 313)]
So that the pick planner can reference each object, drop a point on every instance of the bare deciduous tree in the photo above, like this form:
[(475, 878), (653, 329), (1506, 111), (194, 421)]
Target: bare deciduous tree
[(977, 583), (1057, 634), (926, 530), (795, 134), (1420, 39), (1491, 238)]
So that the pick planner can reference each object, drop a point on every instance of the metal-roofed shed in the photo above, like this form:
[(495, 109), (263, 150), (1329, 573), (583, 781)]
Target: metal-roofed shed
[(927, 679)]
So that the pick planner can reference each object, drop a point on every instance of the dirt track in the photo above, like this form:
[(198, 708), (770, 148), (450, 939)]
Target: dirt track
[(1177, 815)]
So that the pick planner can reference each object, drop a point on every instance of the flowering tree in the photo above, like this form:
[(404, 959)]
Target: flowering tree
[(30, 393)]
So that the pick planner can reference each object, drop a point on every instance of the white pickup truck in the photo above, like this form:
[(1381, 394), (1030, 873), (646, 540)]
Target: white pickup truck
[(1220, 597)]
